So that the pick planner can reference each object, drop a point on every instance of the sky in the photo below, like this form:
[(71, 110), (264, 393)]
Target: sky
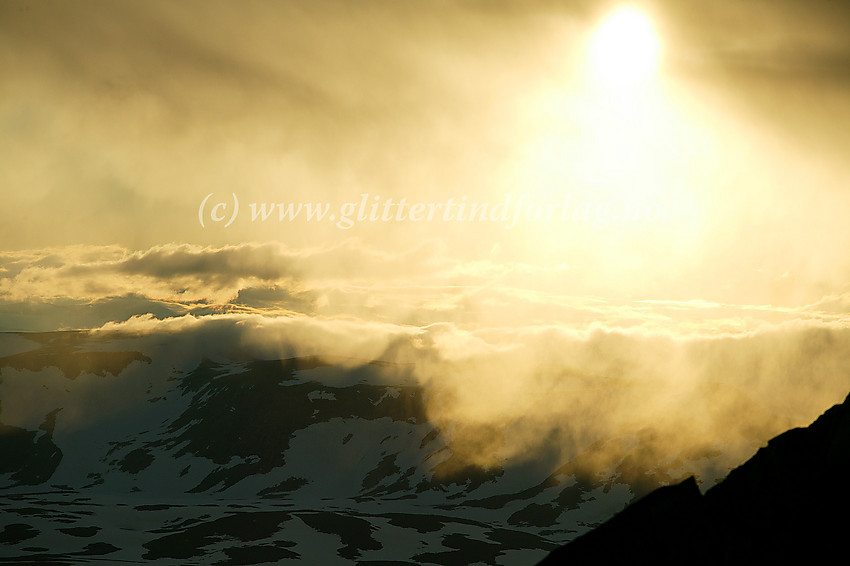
[(686, 221)]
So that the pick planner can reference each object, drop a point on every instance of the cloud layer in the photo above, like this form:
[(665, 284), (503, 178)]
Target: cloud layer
[(85, 287)]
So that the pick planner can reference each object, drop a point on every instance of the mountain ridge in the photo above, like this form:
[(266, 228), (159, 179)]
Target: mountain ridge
[(772, 508)]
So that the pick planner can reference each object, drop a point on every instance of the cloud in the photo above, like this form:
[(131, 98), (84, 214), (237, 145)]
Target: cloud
[(418, 287), (132, 125), (557, 390), (85, 287), (792, 37)]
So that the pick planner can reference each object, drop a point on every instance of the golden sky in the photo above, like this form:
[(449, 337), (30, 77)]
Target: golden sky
[(727, 156)]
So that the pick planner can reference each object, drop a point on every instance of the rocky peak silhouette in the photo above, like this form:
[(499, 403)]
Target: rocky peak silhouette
[(787, 504)]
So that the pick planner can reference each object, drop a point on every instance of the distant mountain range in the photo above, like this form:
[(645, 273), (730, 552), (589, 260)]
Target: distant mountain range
[(142, 447), (788, 504)]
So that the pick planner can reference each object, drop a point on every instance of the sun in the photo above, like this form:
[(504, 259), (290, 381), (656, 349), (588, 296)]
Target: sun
[(625, 48)]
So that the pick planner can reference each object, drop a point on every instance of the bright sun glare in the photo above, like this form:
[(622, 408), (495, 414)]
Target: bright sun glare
[(625, 48), (616, 136)]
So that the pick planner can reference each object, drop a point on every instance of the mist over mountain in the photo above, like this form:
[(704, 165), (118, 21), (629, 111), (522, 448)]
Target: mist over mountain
[(787, 504), (180, 447)]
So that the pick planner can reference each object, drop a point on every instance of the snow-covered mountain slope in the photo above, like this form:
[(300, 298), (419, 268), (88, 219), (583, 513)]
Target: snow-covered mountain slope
[(147, 447)]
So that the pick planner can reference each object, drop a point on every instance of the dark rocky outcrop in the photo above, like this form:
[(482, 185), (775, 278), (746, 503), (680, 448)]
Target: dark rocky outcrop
[(29, 456), (787, 504)]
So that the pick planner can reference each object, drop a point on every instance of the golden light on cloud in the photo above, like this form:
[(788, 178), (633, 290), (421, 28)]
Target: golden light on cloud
[(625, 48)]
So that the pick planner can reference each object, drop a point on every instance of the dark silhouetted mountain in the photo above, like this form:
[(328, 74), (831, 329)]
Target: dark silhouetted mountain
[(788, 504)]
